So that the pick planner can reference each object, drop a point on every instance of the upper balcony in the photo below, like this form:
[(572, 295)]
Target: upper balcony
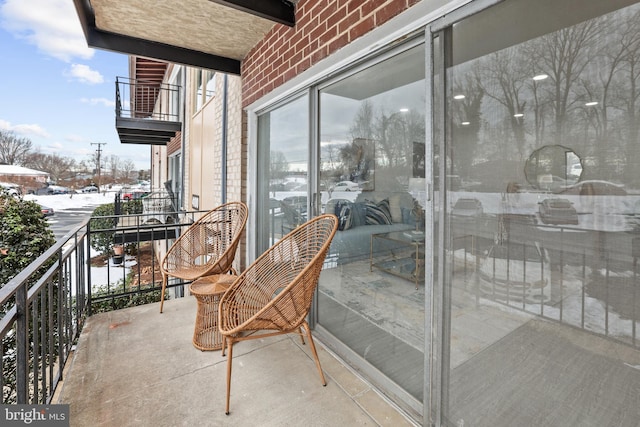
[(147, 111)]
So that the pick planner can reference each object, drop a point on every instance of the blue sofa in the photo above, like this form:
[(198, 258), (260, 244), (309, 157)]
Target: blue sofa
[(371, 213)]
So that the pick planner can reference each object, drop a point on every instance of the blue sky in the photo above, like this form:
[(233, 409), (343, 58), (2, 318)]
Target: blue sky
[(54, 90)]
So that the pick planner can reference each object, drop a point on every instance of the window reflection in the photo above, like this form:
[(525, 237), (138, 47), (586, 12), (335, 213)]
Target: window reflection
[(372, 176), (542, 229)]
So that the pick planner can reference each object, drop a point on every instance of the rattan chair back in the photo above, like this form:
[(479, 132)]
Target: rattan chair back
[(207, 247)]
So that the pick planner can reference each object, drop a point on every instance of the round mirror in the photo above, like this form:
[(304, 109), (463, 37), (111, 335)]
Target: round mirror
[(553, 168)]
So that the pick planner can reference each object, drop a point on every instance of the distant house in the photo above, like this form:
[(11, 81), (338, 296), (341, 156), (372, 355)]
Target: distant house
[(27, 179)]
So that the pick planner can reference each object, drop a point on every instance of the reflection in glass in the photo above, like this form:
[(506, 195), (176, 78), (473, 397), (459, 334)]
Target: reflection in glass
[(283, 136), (542, 281), (372, 176)]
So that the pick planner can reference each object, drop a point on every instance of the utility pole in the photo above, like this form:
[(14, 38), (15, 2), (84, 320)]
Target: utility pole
[(99, 165)]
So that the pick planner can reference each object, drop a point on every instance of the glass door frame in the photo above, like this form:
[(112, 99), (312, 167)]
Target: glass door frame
[(415, 39), (438, 304)]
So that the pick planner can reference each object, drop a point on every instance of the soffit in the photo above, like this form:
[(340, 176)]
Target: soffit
[(199, 25), (213, 34)]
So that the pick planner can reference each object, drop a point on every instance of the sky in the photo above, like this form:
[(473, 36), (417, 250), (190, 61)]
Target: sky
[(55, 90)]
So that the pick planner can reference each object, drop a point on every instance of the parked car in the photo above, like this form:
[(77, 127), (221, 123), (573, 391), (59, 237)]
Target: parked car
[(46, 211), (346, 186), (134, 195), (516, 272), (10, 189), (90, 189), (467, 209), (558, 211)]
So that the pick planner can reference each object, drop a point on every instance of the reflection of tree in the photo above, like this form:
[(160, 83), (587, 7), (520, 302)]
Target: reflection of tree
[(278, 166), (564, 55), (467, 120), (393, 135), (505, 83), (591, 97)]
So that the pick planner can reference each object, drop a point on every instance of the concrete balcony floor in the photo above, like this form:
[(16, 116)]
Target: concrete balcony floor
[(139, 367)]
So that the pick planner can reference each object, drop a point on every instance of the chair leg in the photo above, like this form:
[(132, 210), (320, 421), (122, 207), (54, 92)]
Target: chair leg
[(315, 353), (301, 335), (164, 287), (229, 360)]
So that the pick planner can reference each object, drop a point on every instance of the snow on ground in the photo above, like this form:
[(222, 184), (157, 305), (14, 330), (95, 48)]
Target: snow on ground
[(61, 202), (111, 273)]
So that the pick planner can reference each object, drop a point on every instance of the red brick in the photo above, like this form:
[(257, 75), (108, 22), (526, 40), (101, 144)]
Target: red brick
[(361, 28), (338, 43), (348, 22), (389, 11)]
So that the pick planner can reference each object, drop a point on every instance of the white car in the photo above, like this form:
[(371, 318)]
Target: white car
[(346, 186), (10, 189)]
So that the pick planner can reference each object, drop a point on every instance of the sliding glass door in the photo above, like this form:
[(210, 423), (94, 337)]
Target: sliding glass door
[(372, 176), (539, 143)]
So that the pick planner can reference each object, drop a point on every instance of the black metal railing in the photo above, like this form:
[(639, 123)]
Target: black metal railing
[(141, 99), (46, 304), (589, 280), (44, 308)]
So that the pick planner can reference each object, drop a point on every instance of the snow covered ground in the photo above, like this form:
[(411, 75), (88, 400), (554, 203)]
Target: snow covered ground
[(60, 202), (100, 276)]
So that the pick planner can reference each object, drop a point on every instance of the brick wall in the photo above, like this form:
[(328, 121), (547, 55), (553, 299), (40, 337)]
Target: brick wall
[(322, 27), (174, 144)]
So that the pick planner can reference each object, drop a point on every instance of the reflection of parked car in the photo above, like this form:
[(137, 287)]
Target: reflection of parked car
[(596, 188), (90, 189), (346, 186), (552, 183), (516, 272), (558, 211), (467, 209)]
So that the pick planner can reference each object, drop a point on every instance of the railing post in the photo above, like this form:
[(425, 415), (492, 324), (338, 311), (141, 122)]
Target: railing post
[(22, 344), (89, 309)]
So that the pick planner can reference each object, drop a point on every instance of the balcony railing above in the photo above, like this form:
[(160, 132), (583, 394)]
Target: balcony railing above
[(147, 112)]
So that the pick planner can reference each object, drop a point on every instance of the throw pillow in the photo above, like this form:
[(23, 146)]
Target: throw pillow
[(343, 211), (378, 213)]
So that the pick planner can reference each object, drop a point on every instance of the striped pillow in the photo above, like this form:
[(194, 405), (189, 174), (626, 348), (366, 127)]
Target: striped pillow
[(377, 213)]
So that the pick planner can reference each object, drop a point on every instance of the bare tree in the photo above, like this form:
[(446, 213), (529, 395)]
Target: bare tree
[(127, 168), (58, 167), (113, 164), (13, 150)]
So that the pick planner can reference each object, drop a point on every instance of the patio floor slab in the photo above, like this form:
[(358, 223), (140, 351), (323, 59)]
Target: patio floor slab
[(139, 367)]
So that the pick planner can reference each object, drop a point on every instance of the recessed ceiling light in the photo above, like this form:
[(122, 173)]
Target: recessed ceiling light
[(465, 123), (591, 103), (458, 96), (540, 77), (404, 110), (518, 115)]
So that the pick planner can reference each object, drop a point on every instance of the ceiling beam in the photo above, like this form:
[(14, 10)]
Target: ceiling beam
[(280, 11), (99, 39)]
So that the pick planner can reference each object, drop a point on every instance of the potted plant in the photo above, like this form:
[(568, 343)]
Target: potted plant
[(118, 254)]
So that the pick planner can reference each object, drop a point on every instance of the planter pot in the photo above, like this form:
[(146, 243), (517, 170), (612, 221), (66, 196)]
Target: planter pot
[(117, 259)]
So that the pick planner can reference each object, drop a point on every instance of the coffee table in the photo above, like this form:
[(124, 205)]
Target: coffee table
[(404, 259)]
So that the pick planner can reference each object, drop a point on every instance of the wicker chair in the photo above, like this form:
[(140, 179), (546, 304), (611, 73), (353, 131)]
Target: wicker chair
[(207, 247), (274, 293)]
